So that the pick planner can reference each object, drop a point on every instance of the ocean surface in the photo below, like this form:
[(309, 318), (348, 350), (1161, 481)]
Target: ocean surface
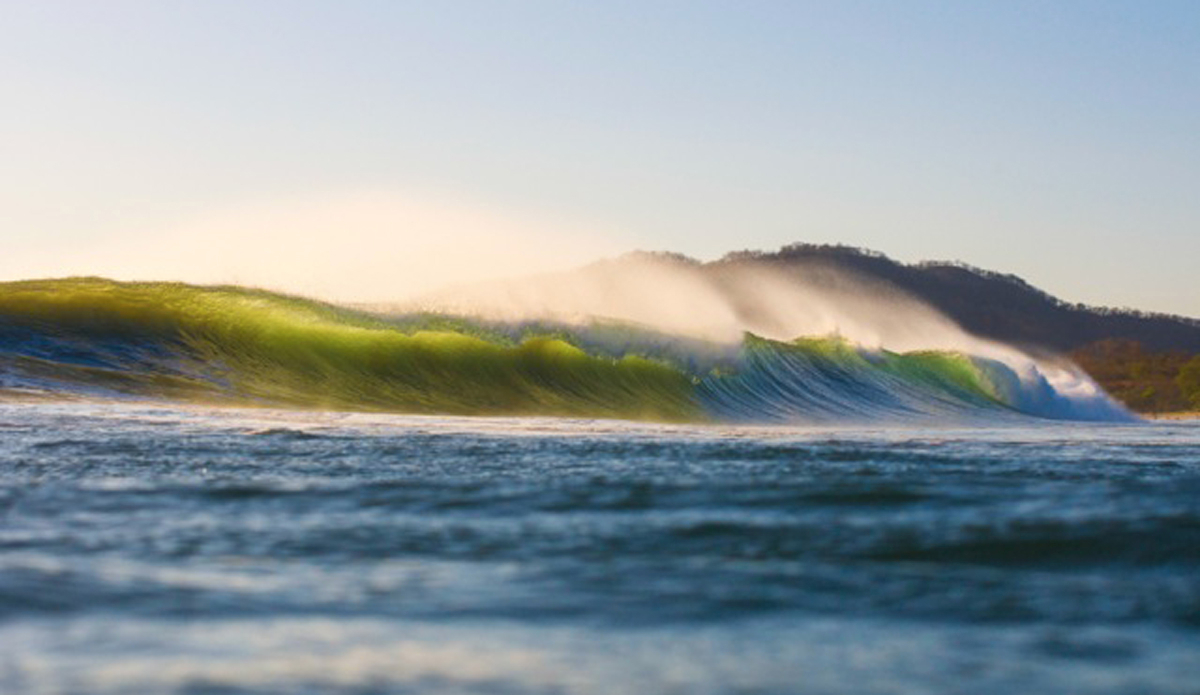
[(150, 548)]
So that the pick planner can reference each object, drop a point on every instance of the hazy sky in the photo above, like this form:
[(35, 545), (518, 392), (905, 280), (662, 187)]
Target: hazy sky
[(367, 148)]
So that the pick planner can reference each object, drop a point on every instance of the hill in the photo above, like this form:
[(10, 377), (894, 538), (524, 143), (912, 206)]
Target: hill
[(990, 304)]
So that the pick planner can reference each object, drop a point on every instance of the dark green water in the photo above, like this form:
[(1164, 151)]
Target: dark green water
[(148, 549)]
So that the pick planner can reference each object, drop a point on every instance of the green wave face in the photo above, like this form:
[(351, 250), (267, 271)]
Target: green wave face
[(950, 371), (254, 346), (230, 344)]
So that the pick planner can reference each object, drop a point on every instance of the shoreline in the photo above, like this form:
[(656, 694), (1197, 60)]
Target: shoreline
[(1177, 415)]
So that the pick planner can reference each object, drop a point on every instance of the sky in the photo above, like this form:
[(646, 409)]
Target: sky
[(365, 150)]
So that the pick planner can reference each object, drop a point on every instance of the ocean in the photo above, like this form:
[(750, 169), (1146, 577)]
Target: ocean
[(150, 547)]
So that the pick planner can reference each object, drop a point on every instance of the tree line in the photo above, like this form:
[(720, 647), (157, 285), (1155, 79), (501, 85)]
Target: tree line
[(1144, 380)]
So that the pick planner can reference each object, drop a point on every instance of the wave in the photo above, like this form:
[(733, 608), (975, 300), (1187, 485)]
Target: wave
[(92, 336)]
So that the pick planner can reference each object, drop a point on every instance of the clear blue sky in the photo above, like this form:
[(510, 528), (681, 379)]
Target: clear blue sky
[(1056, 140)]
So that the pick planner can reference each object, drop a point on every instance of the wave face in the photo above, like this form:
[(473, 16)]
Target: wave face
[(97, 337)]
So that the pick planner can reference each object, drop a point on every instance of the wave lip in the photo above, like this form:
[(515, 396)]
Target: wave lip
[(234, 345)]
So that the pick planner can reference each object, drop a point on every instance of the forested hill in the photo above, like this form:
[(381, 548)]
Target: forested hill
[(990, 304)]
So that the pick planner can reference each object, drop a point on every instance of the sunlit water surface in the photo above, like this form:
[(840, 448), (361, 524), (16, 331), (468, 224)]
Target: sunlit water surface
[(155, 549)]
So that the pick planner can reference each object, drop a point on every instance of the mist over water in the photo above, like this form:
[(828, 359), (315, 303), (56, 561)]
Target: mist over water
[(680, 296), (724, 301)]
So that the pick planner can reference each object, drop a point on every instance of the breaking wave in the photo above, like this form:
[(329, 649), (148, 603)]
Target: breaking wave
[(95, 337)]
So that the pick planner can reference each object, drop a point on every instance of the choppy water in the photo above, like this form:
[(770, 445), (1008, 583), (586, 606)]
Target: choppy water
[(148, 549)]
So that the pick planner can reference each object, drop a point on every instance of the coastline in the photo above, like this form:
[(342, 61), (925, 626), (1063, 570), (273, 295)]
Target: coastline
[(1178, 415)]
